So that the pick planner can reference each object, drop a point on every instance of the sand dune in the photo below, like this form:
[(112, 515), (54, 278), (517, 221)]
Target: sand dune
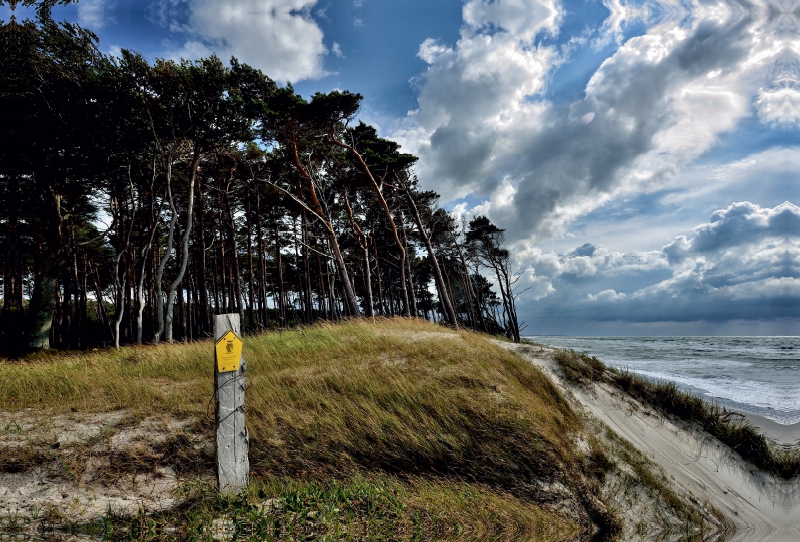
[(758, 506)]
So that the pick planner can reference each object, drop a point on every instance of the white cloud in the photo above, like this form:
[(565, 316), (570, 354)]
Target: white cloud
[(772, 287), (779, 106), (278, 37), (606, 295), (474, 95), (93, 14), (337, 50), (522, 19), (658, 103), (620, 16)]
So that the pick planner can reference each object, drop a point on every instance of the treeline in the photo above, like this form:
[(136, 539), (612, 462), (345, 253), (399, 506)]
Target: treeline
[(138, 199)]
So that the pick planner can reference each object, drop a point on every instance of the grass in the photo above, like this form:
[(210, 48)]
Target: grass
[(423, 426), (730, 428)]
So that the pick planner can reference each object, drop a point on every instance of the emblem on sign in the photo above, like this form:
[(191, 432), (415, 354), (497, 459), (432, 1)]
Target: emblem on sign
[(229, 352)]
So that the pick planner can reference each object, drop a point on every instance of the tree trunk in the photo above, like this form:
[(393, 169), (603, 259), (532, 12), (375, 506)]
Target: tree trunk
[(184, 246), (381, 299), (234, 270), (160, 324), (389, 218), (450, 313), (412, 297), (279, 261), (362, 240), (43, 307), (250, 274), (347, 287), (204, 310), (262, 272)]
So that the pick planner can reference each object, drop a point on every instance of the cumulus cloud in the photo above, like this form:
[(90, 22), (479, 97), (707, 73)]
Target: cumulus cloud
[(744, 264), (739, 225), (484, 126), (280, 37)]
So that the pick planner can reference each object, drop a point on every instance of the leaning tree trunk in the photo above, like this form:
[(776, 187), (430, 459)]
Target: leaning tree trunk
[(184, 248), (120, 279), (43, 308), (450, 313), (45, 287), (362, 240), (167, 255), (389, 218), (347, 287)]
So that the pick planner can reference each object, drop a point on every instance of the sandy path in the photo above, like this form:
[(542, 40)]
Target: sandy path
[(759, 506)]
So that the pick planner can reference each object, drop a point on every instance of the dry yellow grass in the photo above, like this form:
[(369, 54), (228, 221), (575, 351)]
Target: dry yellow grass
[(400, 398)]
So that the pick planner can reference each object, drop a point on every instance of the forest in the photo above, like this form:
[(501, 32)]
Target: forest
[(138, 199)]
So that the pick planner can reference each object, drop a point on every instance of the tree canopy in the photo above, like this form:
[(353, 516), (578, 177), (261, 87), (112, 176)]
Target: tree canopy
[(138, 199)]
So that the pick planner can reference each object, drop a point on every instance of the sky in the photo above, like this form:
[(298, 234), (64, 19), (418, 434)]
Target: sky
[(642, 156)]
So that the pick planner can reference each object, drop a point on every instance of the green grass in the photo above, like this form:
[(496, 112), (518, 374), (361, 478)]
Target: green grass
[(731, 429)]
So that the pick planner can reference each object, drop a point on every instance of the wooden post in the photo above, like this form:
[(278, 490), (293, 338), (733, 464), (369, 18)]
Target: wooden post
[(233, 465)]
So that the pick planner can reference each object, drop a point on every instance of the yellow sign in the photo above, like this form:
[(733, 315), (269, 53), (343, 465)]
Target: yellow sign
[(229, 352)]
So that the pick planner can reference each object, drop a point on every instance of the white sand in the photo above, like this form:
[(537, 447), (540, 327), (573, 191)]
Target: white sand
[(759, 507)]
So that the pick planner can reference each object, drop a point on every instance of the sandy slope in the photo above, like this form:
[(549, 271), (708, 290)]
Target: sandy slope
[(760, 507), (781, 434)]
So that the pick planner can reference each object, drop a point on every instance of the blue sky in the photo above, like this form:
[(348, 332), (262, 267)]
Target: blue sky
[(642, 156)]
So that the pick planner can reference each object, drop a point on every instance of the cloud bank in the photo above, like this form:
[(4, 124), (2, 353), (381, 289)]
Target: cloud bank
[(744, 264)]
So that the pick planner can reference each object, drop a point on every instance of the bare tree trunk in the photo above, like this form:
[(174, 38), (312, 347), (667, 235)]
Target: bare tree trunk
[(389, 218), (347, 287), (381, 299), (120, 282), (203, 310), (184, 246), (167, 255), (362, 240), (279, 261), (235, 271), (450, 313), (307, 268), (412, 297), (250, 274)]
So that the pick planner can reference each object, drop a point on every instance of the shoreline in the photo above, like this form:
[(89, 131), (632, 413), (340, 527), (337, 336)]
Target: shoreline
[(756, 506), (781, 434)]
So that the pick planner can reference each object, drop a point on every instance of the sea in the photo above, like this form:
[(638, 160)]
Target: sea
[(760, 375)]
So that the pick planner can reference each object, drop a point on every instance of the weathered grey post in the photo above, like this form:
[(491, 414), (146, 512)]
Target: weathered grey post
[(233, 465)]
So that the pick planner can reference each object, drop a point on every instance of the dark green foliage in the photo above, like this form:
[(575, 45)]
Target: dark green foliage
[(138, 199)]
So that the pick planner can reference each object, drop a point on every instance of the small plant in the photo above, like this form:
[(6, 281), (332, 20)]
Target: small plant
[(578, 368)]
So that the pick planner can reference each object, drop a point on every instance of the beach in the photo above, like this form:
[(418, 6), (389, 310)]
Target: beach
[(757, 506), (758, 377)]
